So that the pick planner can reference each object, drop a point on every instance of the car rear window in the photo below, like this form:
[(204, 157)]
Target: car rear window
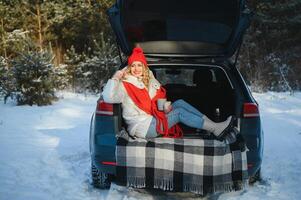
[(190, 76), (175, 76)]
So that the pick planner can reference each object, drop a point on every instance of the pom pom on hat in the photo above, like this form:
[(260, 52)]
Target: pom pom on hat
[(137, 55), (137, 50)]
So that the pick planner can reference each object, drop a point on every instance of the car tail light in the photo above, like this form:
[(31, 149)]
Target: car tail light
[(250, 110), (104, 108), (108, 163)]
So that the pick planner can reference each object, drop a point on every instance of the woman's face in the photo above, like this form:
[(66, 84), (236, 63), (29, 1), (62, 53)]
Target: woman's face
[(136, 68)]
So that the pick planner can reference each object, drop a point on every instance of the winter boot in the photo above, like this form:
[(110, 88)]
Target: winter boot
[(218, 129)]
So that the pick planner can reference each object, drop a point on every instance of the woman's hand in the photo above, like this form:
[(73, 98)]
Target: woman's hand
[(119, 74), (167, 107)]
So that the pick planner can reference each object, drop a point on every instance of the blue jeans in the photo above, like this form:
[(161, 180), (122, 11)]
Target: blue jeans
[(181, 112)]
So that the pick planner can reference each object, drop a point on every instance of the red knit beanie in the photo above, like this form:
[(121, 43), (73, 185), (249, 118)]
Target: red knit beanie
[(137, 55)]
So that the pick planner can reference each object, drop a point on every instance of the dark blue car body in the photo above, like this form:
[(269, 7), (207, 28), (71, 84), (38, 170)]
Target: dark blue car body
[(192, 40)]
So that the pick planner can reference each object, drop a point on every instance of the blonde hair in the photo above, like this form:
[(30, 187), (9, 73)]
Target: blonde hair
[(145, 75)]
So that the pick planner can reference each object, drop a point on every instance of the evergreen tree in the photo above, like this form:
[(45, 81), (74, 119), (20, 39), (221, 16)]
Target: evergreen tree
[(61, 79), (7, 80), (275, 35), (82, 24), (31, 77), (72, 60), (34, 76), (93, 71), (11, 20)]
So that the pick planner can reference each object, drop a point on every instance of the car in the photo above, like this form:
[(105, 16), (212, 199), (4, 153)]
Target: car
[(192, 49)]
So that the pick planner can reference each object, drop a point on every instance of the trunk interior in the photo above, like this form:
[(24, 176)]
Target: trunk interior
[(207, 88)]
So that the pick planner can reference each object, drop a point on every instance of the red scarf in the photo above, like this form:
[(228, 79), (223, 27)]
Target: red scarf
[(142, 99)]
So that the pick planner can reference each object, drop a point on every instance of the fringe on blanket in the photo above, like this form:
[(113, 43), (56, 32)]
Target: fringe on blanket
[(223, 187), (136, 182), (164, 184), (167, 185), (198, 189), (195, 188)]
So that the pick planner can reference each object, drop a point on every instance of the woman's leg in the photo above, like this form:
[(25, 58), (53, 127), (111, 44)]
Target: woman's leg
[(190, 119), (152, 132), (180, 114), (183, 104), (175, 116)]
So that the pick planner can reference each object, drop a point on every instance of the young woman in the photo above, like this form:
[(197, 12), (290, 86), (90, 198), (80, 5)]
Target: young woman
[(136, 88)]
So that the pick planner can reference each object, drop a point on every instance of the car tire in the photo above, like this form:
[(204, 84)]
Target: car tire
[(256, 177), (99, 179)]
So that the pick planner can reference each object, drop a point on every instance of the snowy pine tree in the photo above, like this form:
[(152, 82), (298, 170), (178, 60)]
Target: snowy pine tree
[(278, 77), (72, 61), (270, 56), (61, 77), (7, 81), (90, 72), (100, 66), (34, 74)]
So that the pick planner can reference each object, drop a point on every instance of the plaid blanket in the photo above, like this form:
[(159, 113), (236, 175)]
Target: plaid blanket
[(195, 165)]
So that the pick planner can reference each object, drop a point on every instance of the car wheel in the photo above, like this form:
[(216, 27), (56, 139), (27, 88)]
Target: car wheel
[(99, 179), (257, 177)]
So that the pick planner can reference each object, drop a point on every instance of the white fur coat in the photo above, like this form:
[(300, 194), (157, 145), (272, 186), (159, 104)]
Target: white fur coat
[(137, 120)]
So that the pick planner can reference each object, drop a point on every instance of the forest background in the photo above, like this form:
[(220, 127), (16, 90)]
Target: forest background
[(50, 45)]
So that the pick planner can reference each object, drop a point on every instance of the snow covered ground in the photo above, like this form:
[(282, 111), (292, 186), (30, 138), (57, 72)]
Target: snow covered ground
[(44, 152)]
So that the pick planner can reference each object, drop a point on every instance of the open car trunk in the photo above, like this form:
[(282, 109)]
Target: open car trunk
[(175, 28), (208, 89)]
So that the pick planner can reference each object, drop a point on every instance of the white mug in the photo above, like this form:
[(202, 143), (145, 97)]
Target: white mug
[(160, 104)]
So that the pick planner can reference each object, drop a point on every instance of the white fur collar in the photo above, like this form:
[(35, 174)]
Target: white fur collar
[(135, 81), (139, 84)]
